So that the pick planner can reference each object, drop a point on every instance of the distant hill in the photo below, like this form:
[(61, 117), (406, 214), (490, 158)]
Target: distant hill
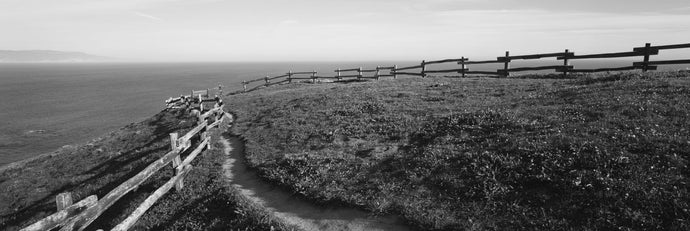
[(37, 56)]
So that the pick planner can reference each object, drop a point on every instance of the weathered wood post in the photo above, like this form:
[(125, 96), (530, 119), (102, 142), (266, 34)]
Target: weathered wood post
[(313, 76), (180, 183), (173, 141), (506, 64), (244, 85), (267, 80), (289, 76), (359, 73), (566, 62), (337, 76), (377, 72), (462, 65), (176, 161), (647, 49), (63, 200), (204, 136), (423, 68), (395, 74)]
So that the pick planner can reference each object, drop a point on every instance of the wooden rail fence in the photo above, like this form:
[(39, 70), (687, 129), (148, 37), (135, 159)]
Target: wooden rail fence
[(78, 216), (464, 66)]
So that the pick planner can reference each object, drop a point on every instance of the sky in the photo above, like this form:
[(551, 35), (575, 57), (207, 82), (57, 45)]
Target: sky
[(338, 30)]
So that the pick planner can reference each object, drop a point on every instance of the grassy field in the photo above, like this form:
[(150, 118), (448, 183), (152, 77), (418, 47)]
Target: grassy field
[(603, 152), (27, 192)]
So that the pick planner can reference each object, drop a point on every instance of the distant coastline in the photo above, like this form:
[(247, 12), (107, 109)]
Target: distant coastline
[(49, 56)]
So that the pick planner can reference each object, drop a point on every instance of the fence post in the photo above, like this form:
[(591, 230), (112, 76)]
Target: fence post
[(423, 68), (267, 81), (645, 65), (462, 65), (506, 65), (176, 162), (313, 76), (377, 72), (337, 74), (289, 76), (204, 136), (565, 64), (359, 73), (200, 120), (173, 141), (395, 73), (180, 183), (63, 200)]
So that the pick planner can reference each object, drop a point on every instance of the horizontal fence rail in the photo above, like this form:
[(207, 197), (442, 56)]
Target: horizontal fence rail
[(483, 62), (667, 47), (609, 55), (538, 68), (304, 73), (446, 71), (61, 217), (446, 61), (408, 68), (408, 73), (536, 56), (466, 66)]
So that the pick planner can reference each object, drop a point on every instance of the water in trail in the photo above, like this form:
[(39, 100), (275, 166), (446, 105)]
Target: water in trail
[(295, 210)]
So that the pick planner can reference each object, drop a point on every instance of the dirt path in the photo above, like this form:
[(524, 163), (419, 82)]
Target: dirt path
[(295, 210)]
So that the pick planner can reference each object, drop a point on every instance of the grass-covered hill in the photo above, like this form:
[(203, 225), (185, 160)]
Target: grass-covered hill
[(604, 152), (207, 202)]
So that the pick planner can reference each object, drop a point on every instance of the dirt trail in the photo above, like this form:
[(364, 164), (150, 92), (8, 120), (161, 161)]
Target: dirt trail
[(295, 210)]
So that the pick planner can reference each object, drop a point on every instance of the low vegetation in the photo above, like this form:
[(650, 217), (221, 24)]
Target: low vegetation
[(207, 202), (599, 152)]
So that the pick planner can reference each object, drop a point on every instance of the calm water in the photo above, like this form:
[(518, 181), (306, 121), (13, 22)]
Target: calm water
[(46, 106)]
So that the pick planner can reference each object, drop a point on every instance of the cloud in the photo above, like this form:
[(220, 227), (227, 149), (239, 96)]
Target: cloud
[(608, 6), (289, 22), (148, 16)]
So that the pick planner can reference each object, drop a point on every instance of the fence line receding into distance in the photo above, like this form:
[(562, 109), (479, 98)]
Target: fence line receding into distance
[(464, 66), (78, 216)]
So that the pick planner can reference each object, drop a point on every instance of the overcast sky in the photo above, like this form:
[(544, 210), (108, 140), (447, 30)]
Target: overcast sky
[(330, 30)]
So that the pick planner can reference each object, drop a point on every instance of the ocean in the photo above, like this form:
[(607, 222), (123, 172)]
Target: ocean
[(47, 106)]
